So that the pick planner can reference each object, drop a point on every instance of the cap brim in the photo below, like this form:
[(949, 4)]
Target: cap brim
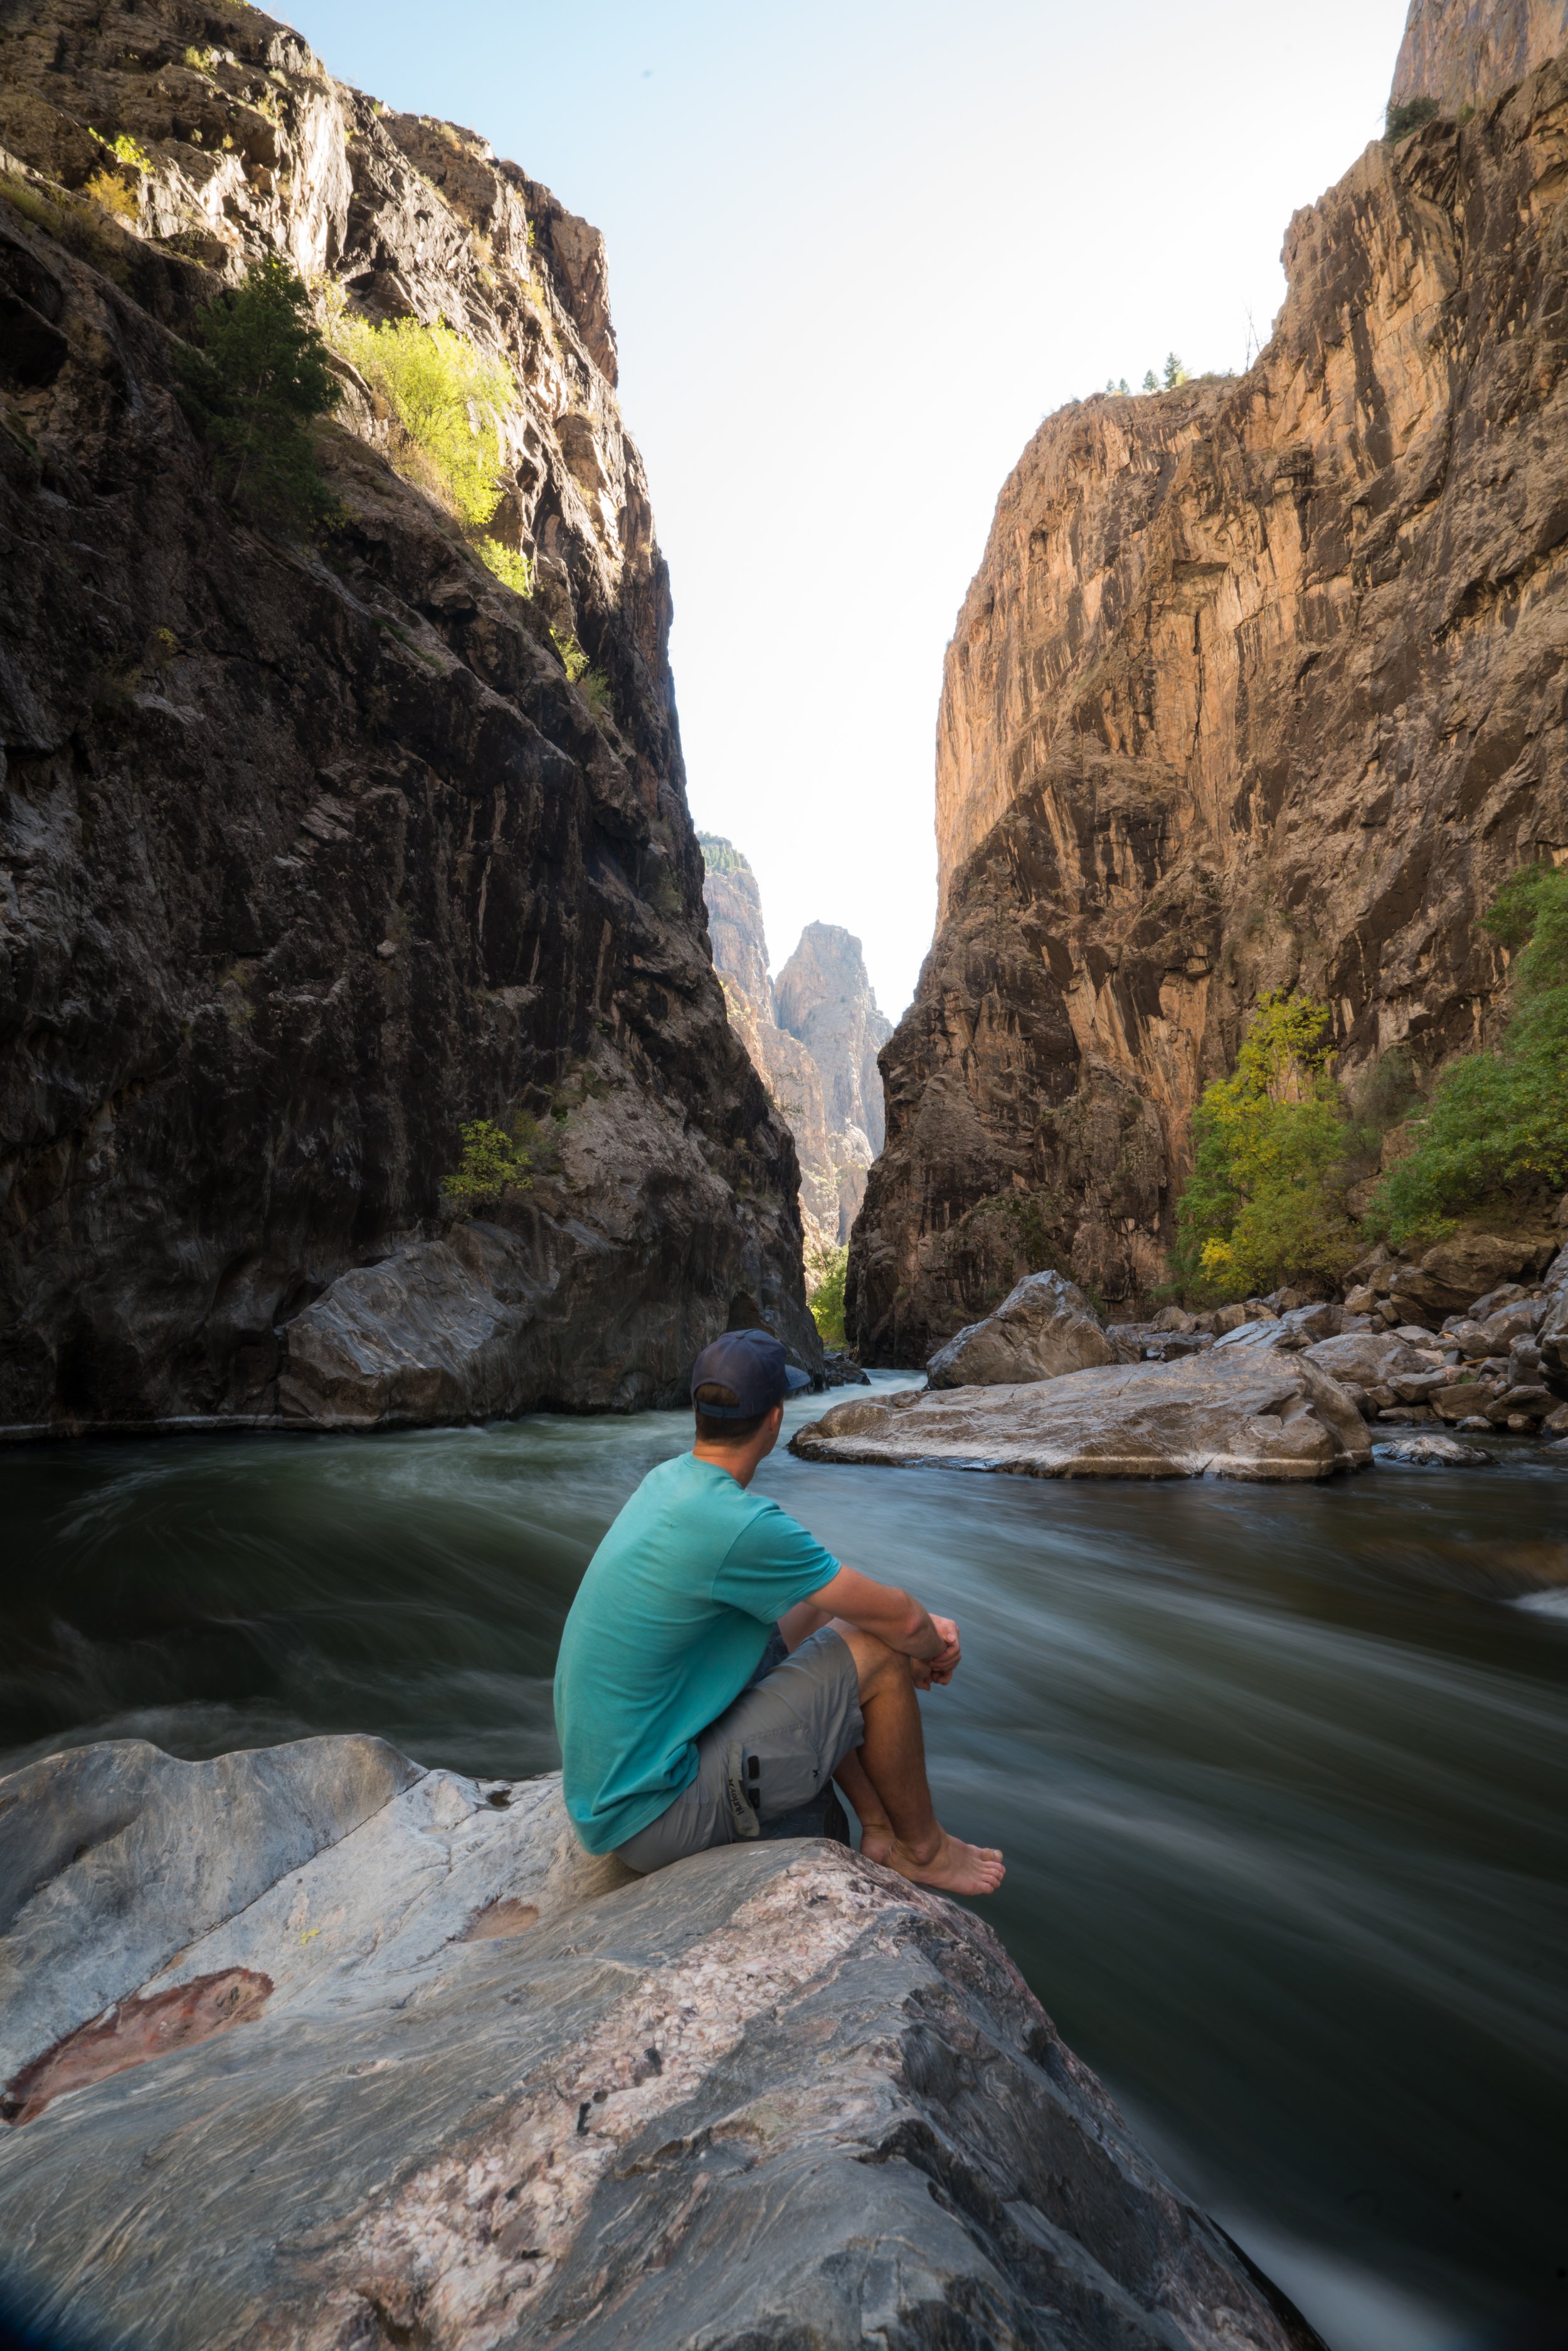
[(796, 1380)]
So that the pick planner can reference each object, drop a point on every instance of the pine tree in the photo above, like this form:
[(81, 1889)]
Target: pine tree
[(255, 381), (1151, 382), (1175, 371)]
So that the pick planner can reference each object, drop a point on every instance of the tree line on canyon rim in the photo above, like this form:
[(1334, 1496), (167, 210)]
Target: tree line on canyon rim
[(1282, 1155), (1279, 1149)]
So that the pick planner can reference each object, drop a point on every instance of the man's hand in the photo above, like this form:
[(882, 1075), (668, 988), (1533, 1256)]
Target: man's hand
[(930, 1642), (927, 1672)]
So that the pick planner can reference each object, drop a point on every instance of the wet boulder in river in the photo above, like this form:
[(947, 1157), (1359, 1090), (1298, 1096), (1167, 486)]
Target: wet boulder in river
[(312, 2048), (1367, 1357), (1248, 1413), (1043, 1328)]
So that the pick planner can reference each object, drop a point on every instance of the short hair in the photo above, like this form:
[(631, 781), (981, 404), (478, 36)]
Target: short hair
[(714, 1430)]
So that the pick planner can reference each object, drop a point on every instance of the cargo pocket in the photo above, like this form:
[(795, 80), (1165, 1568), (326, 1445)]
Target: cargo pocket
[(742, 1784)]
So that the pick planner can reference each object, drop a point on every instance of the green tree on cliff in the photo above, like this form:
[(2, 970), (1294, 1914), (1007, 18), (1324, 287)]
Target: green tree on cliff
[(1264, 1202), (494, 1162), (828, 1268), (1497, 1122), (254, 382)]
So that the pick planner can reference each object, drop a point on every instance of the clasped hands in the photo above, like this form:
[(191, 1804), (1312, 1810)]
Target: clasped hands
[(928, 1673)]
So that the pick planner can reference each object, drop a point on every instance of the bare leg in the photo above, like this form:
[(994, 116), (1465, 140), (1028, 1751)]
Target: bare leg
[(876, 1829), (892, 1759)]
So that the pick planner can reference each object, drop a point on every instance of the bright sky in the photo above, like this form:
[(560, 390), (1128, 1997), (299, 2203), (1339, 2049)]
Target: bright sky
[(858, 248)]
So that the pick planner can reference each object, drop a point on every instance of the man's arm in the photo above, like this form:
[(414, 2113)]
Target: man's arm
[(889, 1614)]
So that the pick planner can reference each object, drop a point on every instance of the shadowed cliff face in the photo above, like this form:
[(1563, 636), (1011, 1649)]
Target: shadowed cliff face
[(1260, 683), (308, 854)]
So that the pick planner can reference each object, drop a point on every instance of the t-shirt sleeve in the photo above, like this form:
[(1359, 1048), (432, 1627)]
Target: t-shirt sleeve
[(771, 1565)]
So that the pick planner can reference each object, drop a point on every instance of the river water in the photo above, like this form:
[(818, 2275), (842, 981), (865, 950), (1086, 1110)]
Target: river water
[(1282, 1784)]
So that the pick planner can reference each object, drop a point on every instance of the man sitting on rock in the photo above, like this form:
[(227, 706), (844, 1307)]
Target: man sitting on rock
[(720, 1667)]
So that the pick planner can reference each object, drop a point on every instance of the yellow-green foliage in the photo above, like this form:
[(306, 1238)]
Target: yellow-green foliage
[(108, 189), (493, 1163), (827, 1270), (126, 151), (1265, 1202), (512, 569), (446, 395), (590, 683), (574, 660)]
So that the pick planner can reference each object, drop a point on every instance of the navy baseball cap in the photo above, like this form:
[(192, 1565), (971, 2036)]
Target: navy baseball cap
[(754, 1366)]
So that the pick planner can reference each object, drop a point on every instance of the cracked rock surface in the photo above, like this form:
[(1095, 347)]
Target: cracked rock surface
[(381, 2058)]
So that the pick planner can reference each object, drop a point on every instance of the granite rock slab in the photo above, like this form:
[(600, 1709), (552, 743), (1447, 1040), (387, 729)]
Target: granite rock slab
[(482, 2090), (1043, 1328), (1246, 1413)]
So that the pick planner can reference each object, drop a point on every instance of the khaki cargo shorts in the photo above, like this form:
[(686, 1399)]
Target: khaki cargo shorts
[(772, 1751)]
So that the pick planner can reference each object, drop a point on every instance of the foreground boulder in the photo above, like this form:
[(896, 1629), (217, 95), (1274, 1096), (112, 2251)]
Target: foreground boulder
[(1043, 1328), (1241, 1412), (310, 2049)]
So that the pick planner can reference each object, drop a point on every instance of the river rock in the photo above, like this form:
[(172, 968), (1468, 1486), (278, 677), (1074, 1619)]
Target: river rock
[(1435, 1453), (312, 2050), (1452, 1274), (1369, 1358), (1044, 1327), (1249, 1414)]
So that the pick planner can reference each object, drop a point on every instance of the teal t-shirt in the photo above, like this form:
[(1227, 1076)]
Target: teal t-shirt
[(668, 1626)]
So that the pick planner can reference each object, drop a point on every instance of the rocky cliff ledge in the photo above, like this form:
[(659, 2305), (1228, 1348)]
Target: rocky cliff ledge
[(814, 1035), (1260, 683), (311, 852), (311, 2050), (1457, 51)]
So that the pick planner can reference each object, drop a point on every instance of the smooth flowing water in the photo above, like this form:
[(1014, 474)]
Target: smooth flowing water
[(1280, 1782)]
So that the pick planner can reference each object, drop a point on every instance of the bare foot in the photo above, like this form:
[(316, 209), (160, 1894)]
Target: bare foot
[(956, 1869), (877, 1839)]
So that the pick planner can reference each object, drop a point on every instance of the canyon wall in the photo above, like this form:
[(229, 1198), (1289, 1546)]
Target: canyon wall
[(814, 1037), (1456, 52), (311, 852), (1260, 683)]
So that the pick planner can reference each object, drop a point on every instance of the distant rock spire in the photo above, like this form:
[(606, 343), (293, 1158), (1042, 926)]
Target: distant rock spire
[(814, 1039)]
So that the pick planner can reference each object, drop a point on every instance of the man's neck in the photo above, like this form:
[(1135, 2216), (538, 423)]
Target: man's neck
[(739, 1460)]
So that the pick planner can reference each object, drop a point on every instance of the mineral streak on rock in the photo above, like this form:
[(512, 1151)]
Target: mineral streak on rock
[(814, 1036), (1249, 1414), (308, 854), (772, 2095), (1259, 685), (1458, 52)]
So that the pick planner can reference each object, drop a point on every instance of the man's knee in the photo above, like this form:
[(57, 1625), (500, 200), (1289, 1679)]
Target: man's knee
[(875, 1663)]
